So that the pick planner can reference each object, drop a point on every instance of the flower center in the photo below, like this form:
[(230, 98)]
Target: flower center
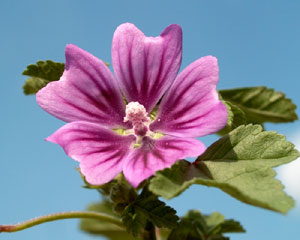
[(138, 116)]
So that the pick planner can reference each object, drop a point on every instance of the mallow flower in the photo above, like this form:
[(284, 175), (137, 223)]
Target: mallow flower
[(141, 119)]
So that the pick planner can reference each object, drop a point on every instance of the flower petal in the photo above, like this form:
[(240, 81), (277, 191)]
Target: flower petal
[(191, 108), (145, 67), (100, 151), (87, 91), (158, 154)]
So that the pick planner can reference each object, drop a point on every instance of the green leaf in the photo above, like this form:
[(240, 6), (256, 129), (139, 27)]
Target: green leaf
[(218, 225), (261, 104), (236, 117), (195, 226), (33, 85), (97, 227), (148, 207), (187, 230), (134, 220), (41, 74), (47, 70), (214, 219), (240, 164)]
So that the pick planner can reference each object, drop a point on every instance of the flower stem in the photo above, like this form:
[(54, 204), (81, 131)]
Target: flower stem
[(59, 216), (149, 233)]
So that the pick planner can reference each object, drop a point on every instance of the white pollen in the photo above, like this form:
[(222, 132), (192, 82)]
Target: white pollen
[(136, 113)]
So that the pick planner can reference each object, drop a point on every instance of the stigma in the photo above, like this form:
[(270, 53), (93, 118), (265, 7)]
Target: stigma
[(138, 116)]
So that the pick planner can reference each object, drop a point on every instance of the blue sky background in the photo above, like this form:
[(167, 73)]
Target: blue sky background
[(256, 42)]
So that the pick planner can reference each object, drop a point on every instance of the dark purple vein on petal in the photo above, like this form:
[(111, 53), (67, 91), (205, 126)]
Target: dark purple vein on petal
[(65, 101)]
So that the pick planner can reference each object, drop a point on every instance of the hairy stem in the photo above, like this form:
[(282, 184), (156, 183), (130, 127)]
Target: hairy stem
[(149, 233), (59, 216)]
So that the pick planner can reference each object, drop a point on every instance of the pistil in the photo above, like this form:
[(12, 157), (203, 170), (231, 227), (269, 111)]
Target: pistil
[(138, 116)]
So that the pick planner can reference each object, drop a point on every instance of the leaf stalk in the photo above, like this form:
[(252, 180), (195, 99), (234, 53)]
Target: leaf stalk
[(59, 216)]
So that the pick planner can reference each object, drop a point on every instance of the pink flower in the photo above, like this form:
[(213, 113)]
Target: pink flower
[(107, 135)]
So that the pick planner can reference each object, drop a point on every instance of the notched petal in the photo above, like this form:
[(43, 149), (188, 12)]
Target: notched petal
[(87, 91), (100, 151), (191, 107), (145, 67), (158, 154)]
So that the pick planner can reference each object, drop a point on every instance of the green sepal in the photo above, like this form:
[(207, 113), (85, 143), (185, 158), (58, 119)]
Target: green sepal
[(240, 164), (261, 104)]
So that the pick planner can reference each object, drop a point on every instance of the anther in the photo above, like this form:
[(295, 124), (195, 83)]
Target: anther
[(138, 116)]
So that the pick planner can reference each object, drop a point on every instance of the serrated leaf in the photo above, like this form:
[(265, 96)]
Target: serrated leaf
[(134, 220), (158, 212), (236, 118), (217, 224), (228, 226), (215, 218), (47, 70), (186, 230), (240, 164), (41, 74), (261, 104), (148, 207), (33, 85), (196, 226), (107, 229)]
